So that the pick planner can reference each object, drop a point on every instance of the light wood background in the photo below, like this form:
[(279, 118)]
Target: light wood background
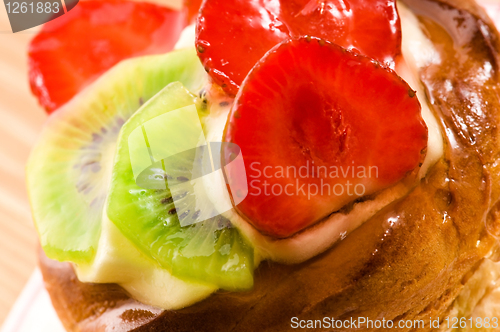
[(20, 122)]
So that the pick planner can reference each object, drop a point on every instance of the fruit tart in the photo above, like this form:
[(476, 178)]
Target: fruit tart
[(274, 165)]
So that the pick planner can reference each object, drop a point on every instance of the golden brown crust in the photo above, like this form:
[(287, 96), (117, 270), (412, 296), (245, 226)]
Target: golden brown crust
[(91, 307), (407, 262)]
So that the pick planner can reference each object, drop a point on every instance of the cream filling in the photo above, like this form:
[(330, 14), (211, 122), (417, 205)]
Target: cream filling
[(118, 261)]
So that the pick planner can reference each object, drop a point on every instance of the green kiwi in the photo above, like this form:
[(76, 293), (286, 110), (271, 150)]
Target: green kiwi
[(69, 170), (154, 218)]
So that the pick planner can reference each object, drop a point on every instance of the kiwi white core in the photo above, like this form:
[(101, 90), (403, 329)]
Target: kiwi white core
[(118, 261)]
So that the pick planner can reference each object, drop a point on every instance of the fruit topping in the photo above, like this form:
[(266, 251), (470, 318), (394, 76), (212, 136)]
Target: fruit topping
[(70, 52), (193, 7), (232, 35), (319, 127), (69, 170), (161, 214)]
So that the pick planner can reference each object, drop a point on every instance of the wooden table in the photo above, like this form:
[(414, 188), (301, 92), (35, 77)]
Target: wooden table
[(20, 122)]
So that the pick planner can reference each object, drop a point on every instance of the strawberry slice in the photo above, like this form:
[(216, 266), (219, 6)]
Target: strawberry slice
[(320, 126), (232, 35), (71, 51), (193, 7)]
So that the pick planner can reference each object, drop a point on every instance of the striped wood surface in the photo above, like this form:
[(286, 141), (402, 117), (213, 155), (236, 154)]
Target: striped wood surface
[(20, 122)]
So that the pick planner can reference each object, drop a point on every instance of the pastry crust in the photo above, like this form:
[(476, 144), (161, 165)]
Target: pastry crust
[(408, 262)]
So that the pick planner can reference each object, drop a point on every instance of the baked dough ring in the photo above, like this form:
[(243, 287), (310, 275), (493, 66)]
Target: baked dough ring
[(409, 261)]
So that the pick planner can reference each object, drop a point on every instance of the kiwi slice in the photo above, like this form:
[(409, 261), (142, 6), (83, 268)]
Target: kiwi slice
[(154, 218), (69, 170)]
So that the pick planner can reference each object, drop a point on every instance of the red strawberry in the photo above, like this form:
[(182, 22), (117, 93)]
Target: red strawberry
[(193, 7), (308, 113), (71, 51), (232, 35)]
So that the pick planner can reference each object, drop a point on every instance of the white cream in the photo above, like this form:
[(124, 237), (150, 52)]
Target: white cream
[(418, 52), (118, 261), (186, 38)]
